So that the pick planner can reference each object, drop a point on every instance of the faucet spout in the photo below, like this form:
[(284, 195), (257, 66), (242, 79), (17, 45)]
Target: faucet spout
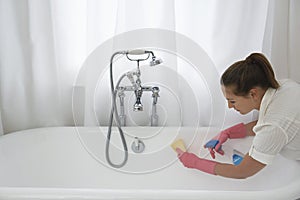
[(138, 106)]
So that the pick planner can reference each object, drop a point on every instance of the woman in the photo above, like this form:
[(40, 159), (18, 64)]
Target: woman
[(250, 84)]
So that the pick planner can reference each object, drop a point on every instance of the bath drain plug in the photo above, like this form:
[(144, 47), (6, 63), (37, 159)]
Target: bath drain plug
[(137, 145)]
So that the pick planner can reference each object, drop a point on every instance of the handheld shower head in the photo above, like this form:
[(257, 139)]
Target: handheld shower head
[(137, 52), (153, 62)]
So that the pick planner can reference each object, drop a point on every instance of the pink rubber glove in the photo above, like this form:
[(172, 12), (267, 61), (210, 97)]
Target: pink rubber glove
[(190, 160), (237, 131)]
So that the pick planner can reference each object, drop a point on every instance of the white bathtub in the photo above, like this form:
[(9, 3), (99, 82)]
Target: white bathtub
[(68, 163)]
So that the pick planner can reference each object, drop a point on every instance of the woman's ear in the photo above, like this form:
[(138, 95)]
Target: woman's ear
[(253, 93)]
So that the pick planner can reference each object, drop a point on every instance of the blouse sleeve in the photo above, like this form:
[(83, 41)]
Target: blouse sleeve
[(267, 143)]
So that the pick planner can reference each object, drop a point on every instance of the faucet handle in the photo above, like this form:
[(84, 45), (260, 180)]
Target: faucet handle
[(155, 91)]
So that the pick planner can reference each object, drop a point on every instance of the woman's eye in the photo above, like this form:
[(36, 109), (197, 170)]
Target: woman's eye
[(232, 102)]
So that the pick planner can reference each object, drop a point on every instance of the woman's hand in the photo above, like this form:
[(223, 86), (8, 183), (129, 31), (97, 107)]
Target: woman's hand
[(215, 145), (190, 160)]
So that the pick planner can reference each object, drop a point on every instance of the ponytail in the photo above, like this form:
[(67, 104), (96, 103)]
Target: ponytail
[(254, 71)]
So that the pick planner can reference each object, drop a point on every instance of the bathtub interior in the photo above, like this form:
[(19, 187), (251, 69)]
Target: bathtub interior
[(68, 157)]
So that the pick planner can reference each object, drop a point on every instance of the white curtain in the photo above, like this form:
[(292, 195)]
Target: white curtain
[(45, 43), (281, 38)]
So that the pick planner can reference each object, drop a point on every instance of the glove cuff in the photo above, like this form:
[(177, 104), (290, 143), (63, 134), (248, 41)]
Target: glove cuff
[(237, 131), (207, 166)]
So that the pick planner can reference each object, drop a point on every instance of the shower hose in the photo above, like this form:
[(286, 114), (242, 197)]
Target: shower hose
[(115, 111)]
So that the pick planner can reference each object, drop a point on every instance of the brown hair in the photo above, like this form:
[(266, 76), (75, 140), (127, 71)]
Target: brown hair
[(246, 74)]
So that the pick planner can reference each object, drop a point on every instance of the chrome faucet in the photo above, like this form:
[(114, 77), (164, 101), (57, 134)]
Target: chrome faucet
[(138, 105), (138, 89)]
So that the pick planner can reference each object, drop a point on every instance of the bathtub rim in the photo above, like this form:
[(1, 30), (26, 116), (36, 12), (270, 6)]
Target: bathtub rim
[(291, 189)]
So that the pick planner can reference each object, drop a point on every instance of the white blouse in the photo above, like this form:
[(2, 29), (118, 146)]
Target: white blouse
[(278, 126)]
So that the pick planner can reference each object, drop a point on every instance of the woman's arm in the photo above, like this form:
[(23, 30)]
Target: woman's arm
[(247, 168), (249, 128)]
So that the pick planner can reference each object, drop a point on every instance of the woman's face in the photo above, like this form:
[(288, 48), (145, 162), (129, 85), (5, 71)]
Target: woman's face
[(242, 104)]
